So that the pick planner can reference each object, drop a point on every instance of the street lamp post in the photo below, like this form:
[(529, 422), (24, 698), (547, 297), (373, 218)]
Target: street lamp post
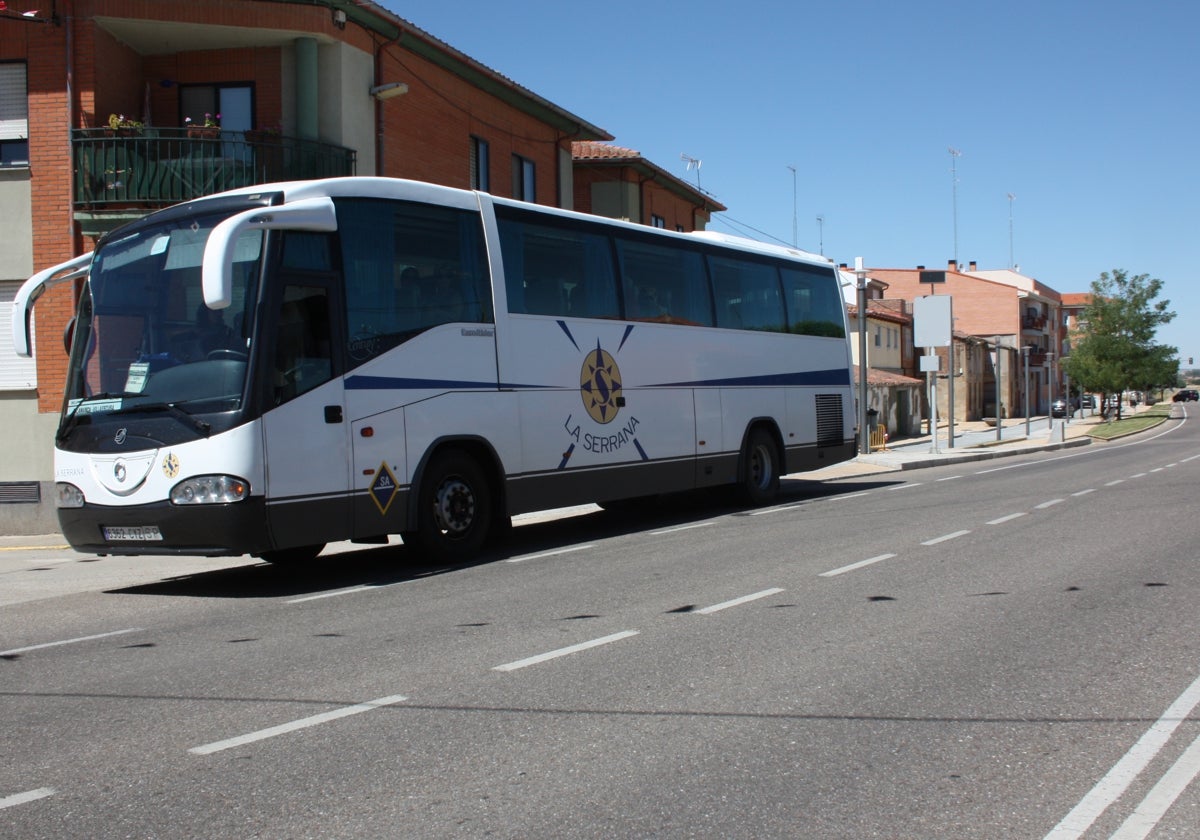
[(864, 439)]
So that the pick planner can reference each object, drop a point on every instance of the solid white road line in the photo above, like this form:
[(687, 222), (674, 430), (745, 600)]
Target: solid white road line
[(782, 509), (860, 564), (70, 641), (303, 723), (27, 796), (679, 528), (1122, 774), (945, 537), (554, 654), (1162, 796), (554, 553), (739, 601), (1008, 518), (1048, 504), (332, 594)]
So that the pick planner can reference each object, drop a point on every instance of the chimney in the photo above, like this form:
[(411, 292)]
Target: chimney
[(952, 265), (920, 268), (972, 265)]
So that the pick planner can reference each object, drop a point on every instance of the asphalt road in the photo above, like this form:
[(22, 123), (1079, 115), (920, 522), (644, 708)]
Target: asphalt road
[(993, 649)]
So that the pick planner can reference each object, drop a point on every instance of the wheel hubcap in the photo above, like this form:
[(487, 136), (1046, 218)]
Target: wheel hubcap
[(454, 507)]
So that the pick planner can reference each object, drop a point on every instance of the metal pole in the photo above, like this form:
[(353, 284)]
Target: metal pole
[(950, 390), (864, 435), (998, 394), (1050, 387), (1025, 358)]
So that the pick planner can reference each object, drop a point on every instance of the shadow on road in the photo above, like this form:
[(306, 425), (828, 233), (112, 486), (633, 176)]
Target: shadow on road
[(374, 566)]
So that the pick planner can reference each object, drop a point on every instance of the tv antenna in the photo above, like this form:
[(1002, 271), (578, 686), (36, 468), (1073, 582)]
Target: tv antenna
[(692, 163)]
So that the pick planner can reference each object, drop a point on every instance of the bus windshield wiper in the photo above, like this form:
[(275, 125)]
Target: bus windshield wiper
[(172, 409), (76, 416)]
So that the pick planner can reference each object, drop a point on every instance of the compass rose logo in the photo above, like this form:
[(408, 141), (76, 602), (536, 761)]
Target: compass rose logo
[(600, 385)]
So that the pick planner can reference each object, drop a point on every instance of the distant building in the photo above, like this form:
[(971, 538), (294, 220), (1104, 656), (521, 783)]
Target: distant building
[(619, 183)]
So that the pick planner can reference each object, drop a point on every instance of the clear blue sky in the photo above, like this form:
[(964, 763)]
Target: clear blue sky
[(1087, 112)]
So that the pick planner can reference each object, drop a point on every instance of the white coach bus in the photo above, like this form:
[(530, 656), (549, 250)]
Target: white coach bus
[(268, 370)]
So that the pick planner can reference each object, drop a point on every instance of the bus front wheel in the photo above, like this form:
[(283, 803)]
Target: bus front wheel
[(454, 513), (759, 483)]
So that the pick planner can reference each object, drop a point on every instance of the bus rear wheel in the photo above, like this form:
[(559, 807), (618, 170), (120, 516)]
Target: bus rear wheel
[(759, 484), (454, 508)]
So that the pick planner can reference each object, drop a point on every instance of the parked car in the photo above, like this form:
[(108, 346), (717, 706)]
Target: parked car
[(1088, 401), (1058, 408), (1186, 395)]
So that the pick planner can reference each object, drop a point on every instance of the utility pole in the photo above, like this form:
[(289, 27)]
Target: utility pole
[(795, 235), (1011, 261), (955, 154), (864, 435)]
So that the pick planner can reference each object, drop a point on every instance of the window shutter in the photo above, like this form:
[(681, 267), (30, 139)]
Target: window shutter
[(14, 104), (16, 373)]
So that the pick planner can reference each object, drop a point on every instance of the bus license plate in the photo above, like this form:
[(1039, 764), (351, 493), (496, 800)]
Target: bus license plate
[(138, 533)]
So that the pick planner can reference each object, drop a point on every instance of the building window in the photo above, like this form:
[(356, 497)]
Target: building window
[(480, 165), (14, 116), (232, 103), (658, 221), (877, 336), (524, 183)]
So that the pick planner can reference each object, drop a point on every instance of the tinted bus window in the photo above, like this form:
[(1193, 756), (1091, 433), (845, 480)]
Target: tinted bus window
[(557, 270), (666, 284), (747, 294), (409, 267), (814, 302)]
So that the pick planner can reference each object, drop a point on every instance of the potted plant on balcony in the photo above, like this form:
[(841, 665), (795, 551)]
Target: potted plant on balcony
[(210, 129), (121, 126)]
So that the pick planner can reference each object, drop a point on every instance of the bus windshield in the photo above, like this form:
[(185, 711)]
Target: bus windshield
[(144, 336)]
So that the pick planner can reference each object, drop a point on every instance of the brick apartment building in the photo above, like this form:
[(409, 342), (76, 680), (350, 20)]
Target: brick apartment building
[(304, 88), (619, 183)]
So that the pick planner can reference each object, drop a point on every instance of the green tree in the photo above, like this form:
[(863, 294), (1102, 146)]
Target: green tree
[(1115, 348)]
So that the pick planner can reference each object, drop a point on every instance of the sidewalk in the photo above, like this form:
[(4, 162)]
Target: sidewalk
[(974, 440)]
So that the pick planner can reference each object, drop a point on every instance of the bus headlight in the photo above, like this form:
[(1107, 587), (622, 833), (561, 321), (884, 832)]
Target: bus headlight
[(67, 495), (209, 490)]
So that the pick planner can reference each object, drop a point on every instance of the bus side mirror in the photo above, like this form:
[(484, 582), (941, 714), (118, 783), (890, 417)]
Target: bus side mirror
[(216, 269), (69, 334)]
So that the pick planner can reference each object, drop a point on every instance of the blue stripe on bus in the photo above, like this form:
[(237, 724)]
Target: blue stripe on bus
[(832, 377), (562, 465)]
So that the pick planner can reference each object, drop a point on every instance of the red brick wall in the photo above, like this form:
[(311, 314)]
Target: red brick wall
[(427, 131), (981, 307), (656, 199)]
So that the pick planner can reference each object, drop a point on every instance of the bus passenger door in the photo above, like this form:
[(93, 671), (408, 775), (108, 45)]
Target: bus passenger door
[(305, 434)]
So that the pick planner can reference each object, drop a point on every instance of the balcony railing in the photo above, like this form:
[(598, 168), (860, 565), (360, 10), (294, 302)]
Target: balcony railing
[(162, 166)]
